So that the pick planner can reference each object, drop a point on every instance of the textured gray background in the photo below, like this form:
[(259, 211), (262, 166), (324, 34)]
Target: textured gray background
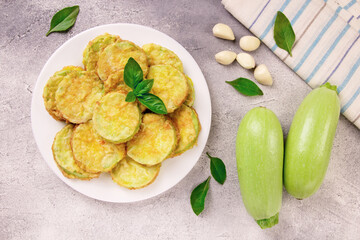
[(35, 204)]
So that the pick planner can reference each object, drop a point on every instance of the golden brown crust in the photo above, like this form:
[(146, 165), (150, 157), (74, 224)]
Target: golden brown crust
[(116, 82), (115, 119), (50, 90), (170, 85), (77, 94), (155, 141), (92, 153), (190, 99), (95, 47), (56, 114), (133, 188), (73, 177), (186, 121), (133, 175), (159, 55), (115, 56), (77, 173)]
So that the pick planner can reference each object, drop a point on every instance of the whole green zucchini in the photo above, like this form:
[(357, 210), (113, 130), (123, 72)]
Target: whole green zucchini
[(309, 142), (259, 155)]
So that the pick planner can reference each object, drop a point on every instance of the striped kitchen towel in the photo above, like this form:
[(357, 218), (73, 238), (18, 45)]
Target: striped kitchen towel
[(327, 45)]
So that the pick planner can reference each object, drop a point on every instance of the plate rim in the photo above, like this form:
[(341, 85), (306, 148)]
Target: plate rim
[(45, 66)]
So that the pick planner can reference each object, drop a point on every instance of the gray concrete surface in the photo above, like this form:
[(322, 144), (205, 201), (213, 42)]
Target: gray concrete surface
[(35, 204)]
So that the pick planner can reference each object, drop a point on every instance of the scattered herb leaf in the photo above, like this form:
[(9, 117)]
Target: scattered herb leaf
[(284, 35), (152, 102), (198, 195), (130, 97), (133, 77), (246, 87), (133, 73), (144, 86), (63, 19), (217, 168)]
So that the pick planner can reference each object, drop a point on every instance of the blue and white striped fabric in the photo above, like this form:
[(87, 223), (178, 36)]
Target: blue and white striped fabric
[(327, 46)]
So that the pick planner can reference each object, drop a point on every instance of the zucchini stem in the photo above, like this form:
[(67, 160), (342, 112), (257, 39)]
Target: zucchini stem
[(268, 222), (331, 87)]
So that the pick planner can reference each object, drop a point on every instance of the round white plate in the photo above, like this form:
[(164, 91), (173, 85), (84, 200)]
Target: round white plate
[(44, 127)]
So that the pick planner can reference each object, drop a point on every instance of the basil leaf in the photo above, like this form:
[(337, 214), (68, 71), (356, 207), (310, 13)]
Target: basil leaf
[(152, 102), (198, 195), (133, 73), (144, 86), (246, 87), (217, 168), (130, 97), (63, 19), (284, 35)]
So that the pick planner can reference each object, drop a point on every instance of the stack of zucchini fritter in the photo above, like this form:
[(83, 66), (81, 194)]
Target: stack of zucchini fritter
[(104, 133)]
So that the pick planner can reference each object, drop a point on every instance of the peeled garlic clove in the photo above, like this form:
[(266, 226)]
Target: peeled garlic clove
[(223, 31), (262, 75), (249, 43), (225, 57), (246, 60)]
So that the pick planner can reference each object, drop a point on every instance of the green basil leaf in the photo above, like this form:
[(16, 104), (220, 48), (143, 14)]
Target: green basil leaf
[(130, 97), (217, 168), (284, 35), (144, 86), (152, 102), (198, 195), (246, 87), (133, 73), (63, 19)]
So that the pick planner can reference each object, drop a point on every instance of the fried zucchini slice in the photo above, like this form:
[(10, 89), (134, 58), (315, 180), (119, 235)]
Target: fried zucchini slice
[(95, 47), (170, 85), (188, 125), (155, 141), (191, 96), (51, 87), (115, 82), (77, 94), (133, 175), (115, 56), (91, 152), (158, 55), (63, 156), (115, 119)]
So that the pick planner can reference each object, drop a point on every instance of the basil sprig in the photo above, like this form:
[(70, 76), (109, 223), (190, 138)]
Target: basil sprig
[(217, 168), (246, 87), (284, 35), (198, 195), (133, 77), (63, 19)]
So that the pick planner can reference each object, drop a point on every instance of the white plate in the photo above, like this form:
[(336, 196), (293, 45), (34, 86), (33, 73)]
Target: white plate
[(44, 127)]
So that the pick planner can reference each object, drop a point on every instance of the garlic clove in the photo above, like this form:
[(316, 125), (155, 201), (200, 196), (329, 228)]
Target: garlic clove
[(249, 43), (262, 75), (246, 60), (223, 31), (225, 57)]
